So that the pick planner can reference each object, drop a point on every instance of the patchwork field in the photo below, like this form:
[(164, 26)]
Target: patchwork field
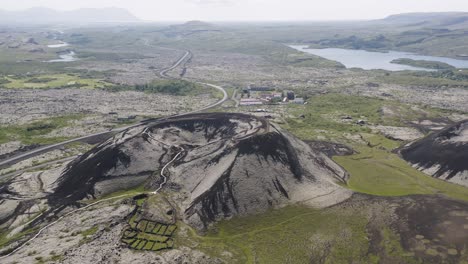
[(145, 234)]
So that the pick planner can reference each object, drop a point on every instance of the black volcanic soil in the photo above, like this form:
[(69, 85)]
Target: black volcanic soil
[(82, 174), (229, 164), (427, 125), (444, 154), (331, 149), (434, 228), (425, 229)]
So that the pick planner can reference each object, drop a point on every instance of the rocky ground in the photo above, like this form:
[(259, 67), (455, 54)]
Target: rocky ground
[(25, 105), (394, 232), (139, 69), (10, 147), (48, 157), (241, 70), (240, 167), (94, 236), (217, 176), (448, 98), (398, 133)]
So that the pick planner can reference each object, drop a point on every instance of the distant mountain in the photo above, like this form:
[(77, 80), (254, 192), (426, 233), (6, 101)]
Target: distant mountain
[(194, 26), (442, 19), (40, 15), (190, 28), (197, 23)]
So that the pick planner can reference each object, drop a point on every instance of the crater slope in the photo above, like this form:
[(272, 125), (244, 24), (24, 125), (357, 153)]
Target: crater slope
[(443, 154), (226, 165)]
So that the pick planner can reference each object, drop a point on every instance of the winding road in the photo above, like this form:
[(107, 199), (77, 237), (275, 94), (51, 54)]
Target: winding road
[(163, 170), (163, 74)]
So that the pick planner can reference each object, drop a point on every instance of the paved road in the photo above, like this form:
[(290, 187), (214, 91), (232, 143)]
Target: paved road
[(37, 151), (163, 73)]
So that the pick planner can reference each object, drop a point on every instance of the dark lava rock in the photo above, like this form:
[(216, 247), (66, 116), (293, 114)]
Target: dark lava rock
[(331, 149), (227, 165), (443, 154)]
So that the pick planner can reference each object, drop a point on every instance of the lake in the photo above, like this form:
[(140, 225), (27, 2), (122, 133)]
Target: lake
[(369, 60)]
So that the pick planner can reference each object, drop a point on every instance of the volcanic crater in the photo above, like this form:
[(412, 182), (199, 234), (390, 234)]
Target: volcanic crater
[(215, 166)]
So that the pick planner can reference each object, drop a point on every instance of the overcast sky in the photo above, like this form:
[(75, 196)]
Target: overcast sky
[(216, 10)]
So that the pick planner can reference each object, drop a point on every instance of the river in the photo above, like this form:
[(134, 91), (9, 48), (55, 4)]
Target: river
[(59, 45), (66, 57)]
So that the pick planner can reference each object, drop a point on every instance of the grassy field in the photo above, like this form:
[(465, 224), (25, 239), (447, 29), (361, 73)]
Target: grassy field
[(33, 133), (171, 87), (439, 79), (289, 235), (296, 234), (423, 64), (53, 81), (323, 116), (380, 172), (124, 193), (375, 169)]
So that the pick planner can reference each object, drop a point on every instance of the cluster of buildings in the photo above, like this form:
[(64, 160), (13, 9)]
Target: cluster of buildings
[(258, 95)]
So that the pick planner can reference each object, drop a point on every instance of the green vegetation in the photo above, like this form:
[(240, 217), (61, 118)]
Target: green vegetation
[(380, 172), (302, 59), (293, 234), (172, 87), (250, 43), (391, 247), (6, 240), (354, 42), (441, 40), (34, 133), (375, 169), (436, 65), (89, 232), (436, 79), (53, 81), (133, 191), (40, 80), (109, 56), (142, 234), (3, 81), (323, 116), (178, 87), (56, 258)]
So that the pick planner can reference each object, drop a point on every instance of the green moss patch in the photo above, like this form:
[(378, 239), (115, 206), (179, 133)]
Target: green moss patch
[(142, 234)]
